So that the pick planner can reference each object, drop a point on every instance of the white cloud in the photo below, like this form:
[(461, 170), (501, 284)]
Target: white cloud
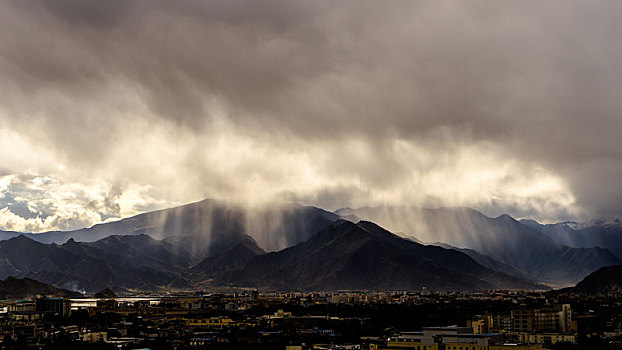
[(31, 203)]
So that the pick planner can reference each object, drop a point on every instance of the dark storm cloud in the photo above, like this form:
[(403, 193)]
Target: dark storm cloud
[(531, 83)]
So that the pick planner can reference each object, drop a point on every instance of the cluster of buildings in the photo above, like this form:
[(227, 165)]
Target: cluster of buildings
[(250, 317), (452, 338), (546, 325), (519, 329)]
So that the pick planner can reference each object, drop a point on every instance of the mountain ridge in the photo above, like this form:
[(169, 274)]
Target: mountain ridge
[(600, 233), (365, 256), (274, 228), (22, 288), (209, 239), (502, 238), (605, 281)]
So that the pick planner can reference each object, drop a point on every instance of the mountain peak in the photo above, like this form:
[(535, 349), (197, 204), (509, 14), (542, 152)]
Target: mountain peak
[(365, 256), (21, 239), (375, 229), (505, 217)]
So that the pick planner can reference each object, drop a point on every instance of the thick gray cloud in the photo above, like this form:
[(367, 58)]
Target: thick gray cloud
[(497, 105)]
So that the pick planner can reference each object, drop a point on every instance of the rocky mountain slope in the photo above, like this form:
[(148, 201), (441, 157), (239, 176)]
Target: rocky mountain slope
[(607, 280), (365, 256), (22, 288), (502, 238)]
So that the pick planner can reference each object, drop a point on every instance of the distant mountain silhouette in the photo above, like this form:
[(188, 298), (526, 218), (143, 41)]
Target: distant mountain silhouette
[(502, 238), (80, 266), (488, 261), (217, 242), (273, 227), (4, 235), (604, 234), (365, 256), (22, 288), (342, 256), (105, 293)]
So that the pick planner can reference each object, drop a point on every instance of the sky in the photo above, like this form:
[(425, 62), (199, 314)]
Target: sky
[(113, 108)]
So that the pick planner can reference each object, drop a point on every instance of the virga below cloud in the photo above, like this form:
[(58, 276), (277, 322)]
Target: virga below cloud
[(499, 106)]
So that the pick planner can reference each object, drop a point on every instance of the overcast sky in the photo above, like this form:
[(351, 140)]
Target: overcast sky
[(112, 108)]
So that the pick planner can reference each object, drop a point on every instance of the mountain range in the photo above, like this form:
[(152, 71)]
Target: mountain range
[(502, 239), (364, 256), (343, 255), (295, 247), (274, 227), (606, 234), (81, 266)]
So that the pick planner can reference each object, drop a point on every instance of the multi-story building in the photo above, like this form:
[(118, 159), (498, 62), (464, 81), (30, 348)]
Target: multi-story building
[(523, 320), (58, 305), (501, 323), (481, 323), (556, 318), (22, 306)]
